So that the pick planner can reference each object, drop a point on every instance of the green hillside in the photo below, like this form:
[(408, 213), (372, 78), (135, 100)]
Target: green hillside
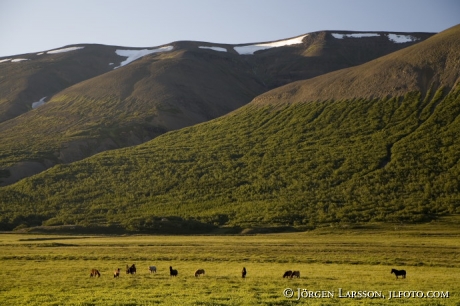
[(373, 143), (305, 164)]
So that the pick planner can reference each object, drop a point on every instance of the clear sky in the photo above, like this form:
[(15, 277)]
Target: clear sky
[(38, 25)]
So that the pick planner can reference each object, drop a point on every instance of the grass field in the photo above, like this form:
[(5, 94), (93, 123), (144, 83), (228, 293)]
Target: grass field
[(54, 270)]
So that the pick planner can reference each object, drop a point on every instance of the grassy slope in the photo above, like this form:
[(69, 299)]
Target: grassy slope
[(301, 164)]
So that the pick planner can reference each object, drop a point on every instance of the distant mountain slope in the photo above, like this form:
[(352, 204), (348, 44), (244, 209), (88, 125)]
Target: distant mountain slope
[(27, 78), (278, 161), (431, 63), (122, 97)]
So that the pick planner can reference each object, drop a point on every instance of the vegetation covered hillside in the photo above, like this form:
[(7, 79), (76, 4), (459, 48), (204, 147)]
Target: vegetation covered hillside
[(387, 159)]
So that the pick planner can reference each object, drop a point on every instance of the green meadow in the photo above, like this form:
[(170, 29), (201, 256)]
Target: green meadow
[(338, 266)]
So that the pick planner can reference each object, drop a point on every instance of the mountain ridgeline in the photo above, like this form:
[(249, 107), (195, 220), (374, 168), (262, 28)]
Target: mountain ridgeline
[(376, 142), (90, 107)]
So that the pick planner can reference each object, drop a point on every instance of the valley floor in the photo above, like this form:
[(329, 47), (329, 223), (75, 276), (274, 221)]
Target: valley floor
[(338, 266)]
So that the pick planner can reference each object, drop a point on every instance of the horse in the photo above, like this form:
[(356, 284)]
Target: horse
[(116, 273), (131, 270), (399, 273), (172, 272), (95, 273), (153, 269), (287, 274), (199, 272), (243, 273), (296, 274)]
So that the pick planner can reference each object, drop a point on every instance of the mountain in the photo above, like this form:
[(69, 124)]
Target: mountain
[(372, 143), (64, 105)]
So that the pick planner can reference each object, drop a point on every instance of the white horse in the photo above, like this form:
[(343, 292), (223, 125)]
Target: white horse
[(153, 269)]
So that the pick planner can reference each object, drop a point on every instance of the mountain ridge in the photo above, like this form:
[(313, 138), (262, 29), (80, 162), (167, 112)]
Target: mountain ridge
[(437, 70)]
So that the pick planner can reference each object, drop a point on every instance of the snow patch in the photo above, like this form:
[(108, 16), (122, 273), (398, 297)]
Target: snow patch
[(64, 50), (40, 53), (38, 103), (16, 60), (253, 48), (133, 55), (401, 38), (354, 35), (214, 48)]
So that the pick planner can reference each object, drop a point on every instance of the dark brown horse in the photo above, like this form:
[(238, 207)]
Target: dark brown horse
[(172, 272), (131, 270), (399, 273), (199, 272), (295, 274), (287, 274), (243, 273), (95, 273)]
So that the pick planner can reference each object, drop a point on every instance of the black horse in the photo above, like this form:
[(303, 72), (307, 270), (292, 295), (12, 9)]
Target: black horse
[(243, 273), (131, 270), (287, 274), (172, 272), (399, 273)]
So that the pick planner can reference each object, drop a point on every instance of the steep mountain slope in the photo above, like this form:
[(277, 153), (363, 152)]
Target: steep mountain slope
[(434, 63), (166, 88), (283, 160)]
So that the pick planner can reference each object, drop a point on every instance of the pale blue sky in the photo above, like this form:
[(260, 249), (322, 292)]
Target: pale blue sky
[(28, 26)]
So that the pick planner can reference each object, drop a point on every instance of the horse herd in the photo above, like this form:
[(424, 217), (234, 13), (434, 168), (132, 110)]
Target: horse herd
[(173, 272), (152, 269)]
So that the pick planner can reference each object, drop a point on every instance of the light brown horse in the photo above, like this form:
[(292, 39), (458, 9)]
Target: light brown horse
[(199, 272), (116, 273), (95, 273)]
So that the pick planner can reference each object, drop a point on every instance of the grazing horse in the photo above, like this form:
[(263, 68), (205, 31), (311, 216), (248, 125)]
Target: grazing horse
[(116, 273), (296, 274), (95, 273), (243, 273), (199, 272), (131, 270), (399, 273), (287, 274), (172, 272), (153, 269)]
